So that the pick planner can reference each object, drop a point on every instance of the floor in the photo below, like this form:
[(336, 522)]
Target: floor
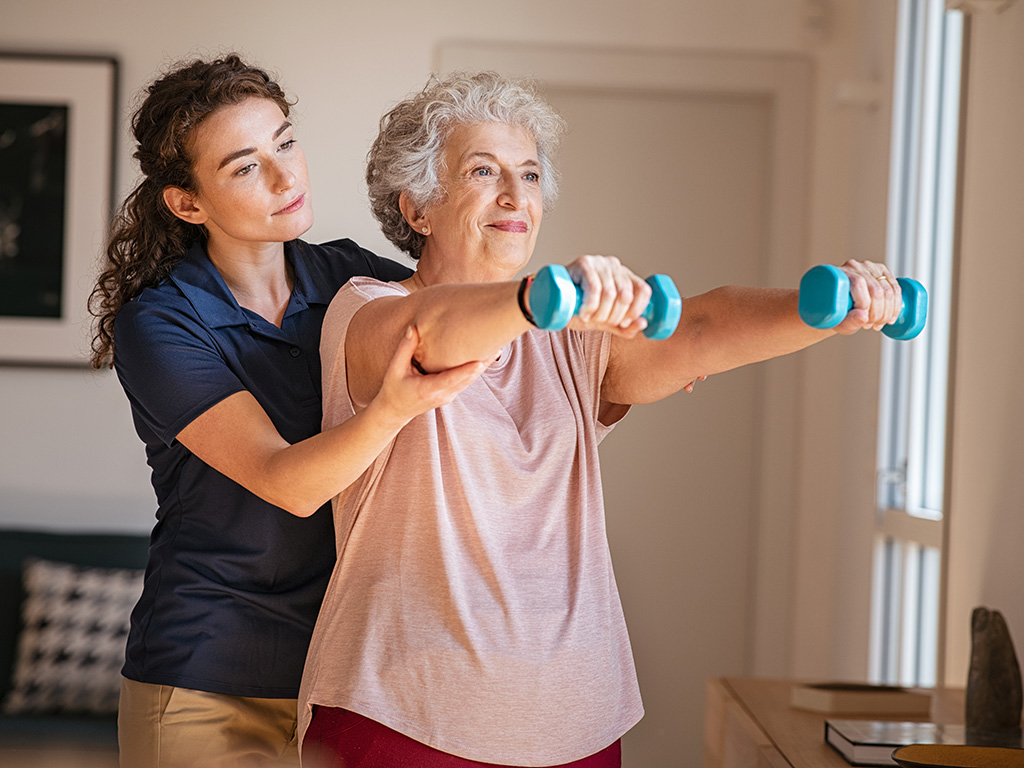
[(57, 757)]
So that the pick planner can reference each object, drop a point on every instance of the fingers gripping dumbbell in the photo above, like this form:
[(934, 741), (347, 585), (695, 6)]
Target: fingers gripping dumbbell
[(825, 300), (555, 298)]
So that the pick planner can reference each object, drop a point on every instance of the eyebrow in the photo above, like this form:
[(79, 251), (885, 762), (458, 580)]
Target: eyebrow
[(249, 150), (483, 155)]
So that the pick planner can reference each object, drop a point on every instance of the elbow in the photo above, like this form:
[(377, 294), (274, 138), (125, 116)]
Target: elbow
[(280, 484), (298, 507), (300, 511), (293, 505)]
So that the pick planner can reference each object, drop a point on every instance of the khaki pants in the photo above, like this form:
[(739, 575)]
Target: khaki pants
[(160, 726)]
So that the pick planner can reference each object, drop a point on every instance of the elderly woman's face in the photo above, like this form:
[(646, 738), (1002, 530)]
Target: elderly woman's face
[(492, 210)]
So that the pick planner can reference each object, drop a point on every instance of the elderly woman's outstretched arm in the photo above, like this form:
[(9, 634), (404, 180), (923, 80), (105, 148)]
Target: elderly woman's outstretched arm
[(720, 330), (460, 323), (733, 326)]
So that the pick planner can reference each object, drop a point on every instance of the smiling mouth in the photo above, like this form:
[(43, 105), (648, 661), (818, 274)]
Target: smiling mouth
[(293, 206), (510, 226)]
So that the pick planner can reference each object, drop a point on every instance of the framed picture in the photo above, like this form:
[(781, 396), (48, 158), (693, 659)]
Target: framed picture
[(57, 131)]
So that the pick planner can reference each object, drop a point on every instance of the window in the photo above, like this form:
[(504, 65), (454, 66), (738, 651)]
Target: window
[(912, 419)]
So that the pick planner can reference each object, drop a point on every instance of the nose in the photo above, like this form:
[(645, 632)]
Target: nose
[(283, 177), (513, 193)]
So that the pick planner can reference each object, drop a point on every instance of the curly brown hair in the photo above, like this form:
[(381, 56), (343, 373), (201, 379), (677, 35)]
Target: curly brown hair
[(146, 239)]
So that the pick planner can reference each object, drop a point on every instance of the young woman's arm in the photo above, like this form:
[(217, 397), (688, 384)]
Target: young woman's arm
[(237, 438)]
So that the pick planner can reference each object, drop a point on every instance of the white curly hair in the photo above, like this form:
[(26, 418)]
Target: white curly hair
[(408, 153)]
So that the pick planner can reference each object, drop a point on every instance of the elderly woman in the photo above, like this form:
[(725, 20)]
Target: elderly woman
[(473, 616)]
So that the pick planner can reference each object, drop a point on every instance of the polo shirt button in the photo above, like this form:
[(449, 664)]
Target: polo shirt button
[(295, 351)]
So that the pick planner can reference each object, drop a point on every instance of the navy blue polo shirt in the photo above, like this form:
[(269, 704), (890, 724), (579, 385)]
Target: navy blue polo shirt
[(233, 584)]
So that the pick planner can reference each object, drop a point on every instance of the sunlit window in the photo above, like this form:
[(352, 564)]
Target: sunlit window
[(912, 427)]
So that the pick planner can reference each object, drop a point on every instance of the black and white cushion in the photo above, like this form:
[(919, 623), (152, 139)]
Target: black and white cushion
[(71, 649)]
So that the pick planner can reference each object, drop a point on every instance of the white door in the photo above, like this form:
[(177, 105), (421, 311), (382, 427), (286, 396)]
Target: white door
[(675, 184), (679, 177)]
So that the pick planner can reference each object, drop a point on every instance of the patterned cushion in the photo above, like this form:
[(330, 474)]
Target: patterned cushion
[(71, 649)]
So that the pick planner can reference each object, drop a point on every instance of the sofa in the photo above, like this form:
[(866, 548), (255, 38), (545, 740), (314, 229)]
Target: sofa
[(64, 604)]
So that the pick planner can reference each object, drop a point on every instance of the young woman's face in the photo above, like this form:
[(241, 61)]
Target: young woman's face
[(251, 176)]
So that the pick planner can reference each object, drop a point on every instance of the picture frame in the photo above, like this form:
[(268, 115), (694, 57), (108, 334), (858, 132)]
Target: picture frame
[(58, 118)]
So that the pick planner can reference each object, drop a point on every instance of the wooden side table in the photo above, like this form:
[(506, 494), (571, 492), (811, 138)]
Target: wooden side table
[(750, 724)]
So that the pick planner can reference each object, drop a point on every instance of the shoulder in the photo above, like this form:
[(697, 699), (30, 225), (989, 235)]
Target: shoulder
[(159, 321), (353, 295), (161, 304), (370, 288), (338, 260)]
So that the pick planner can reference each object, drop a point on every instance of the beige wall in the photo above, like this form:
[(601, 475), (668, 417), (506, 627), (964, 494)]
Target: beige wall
[(837, 426), (986, 516), (346, 61)]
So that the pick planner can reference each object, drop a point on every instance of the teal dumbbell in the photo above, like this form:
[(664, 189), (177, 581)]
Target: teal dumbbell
[(825, 300), (555, 298)]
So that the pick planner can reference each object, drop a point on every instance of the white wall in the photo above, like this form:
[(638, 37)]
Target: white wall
[(833, 530), (986, 515), (69, 456)]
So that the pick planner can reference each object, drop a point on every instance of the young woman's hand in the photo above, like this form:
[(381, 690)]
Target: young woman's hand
[(406, 392)]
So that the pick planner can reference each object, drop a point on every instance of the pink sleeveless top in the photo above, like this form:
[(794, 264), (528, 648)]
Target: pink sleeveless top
[(473, 606)]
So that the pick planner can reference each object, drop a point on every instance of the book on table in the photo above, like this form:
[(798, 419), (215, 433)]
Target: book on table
[(872, 742), (860, 699)]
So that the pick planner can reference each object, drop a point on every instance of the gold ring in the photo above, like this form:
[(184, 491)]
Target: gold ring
[(883, 277)]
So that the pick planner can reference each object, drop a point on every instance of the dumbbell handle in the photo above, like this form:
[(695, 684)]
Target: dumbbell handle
[(555, 299), (825, 300)]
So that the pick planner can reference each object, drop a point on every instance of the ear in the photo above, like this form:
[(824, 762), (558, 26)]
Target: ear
[(416, 219), (183, 205)]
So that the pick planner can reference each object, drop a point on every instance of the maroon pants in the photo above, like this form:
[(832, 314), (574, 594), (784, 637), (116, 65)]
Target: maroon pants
[(337, 738)]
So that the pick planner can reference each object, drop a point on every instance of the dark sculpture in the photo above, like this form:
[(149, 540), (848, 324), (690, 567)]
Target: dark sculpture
[(993, 683)]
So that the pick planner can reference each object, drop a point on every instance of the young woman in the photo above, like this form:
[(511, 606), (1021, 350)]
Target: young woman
[(209, 308)]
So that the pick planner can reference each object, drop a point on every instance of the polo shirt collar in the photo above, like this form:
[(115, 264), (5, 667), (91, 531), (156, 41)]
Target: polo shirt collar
[(307, 289), (207, 292)]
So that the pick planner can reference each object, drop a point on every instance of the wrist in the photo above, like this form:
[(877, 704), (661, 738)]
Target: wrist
[(384, 416), (524, 299)]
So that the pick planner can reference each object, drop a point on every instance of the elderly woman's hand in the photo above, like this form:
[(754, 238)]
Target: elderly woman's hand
[(877, 298), (614, 297)]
